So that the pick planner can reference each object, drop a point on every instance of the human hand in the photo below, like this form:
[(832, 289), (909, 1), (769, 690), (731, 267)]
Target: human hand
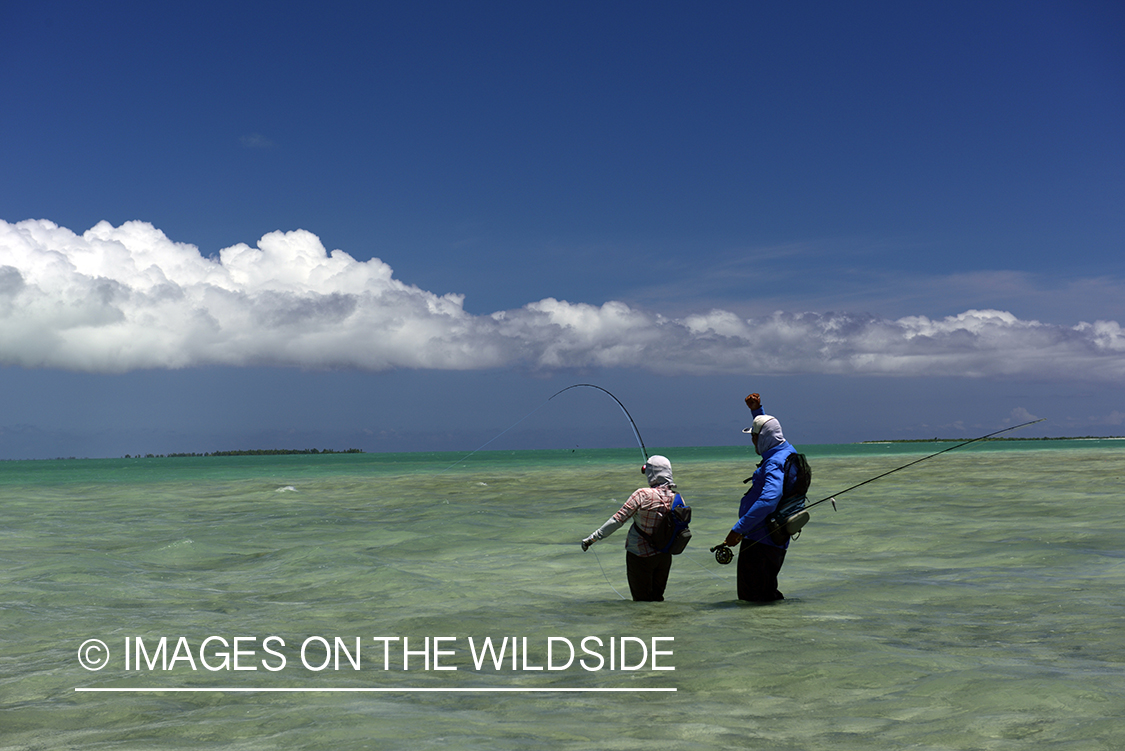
[(754, 401), (733, 538), (586, 543)]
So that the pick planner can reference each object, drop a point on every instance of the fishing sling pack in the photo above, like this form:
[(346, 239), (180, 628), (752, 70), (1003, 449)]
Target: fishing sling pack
[(790, 516), (671, 534)]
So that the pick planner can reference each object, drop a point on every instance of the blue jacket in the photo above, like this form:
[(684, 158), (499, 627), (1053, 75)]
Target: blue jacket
[(761, 499)]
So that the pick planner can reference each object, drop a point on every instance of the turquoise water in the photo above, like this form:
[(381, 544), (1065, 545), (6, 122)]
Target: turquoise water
[(973, 601)]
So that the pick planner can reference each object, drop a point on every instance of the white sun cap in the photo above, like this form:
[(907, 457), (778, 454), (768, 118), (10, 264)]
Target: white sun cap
[(759, 421)]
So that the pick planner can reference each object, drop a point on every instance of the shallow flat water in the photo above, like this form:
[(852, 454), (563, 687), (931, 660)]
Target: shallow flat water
[(971, 602)]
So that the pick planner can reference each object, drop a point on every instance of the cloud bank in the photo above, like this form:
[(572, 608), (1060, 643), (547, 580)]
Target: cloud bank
[(115, 299)]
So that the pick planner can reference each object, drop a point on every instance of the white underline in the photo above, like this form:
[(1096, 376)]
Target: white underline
[(295, 690)]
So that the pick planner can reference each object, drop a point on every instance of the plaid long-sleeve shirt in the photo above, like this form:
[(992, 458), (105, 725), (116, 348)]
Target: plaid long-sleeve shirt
[(648, 505)]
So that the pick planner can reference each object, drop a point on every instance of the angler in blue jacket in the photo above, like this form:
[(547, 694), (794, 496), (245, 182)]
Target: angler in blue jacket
[(759, 558)]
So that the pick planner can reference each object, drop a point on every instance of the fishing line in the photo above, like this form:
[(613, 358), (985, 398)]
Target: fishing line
[(607, 581), (697, 563), (493, 438), (637, 433)]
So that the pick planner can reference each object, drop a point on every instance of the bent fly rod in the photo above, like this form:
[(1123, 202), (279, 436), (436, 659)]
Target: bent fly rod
[(636, 432), (918, 461), (644, 453)]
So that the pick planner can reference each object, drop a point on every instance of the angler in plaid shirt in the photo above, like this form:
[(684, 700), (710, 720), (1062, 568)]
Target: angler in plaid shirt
[(647, 569)]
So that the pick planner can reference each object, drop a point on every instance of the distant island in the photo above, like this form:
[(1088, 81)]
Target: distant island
[(249, 452), (1044, 438)]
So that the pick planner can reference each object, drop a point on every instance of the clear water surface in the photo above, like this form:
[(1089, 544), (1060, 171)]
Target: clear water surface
[(973, 601)]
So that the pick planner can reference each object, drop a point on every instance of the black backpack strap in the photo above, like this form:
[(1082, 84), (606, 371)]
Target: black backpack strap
[(751, 477), (647, 536)]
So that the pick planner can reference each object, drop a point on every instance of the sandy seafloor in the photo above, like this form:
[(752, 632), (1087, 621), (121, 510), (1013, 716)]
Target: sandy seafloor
[(974, 601)]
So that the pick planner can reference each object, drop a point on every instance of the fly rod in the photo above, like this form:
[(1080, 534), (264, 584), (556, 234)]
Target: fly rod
[(636, 432), (918, 461)]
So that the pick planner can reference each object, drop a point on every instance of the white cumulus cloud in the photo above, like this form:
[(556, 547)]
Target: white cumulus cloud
[(115, 299)]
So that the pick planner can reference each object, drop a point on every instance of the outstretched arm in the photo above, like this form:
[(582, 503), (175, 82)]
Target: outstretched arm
[(615, 522), (602, 532)]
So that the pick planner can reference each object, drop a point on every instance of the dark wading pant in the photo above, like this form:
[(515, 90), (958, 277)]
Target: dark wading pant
[(648, 575), (758, 566)]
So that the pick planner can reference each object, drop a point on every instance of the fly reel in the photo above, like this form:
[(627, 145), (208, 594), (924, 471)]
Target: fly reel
[(723, 554)]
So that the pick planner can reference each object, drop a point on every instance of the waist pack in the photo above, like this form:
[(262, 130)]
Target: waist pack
[(671, 534), (786, 522)]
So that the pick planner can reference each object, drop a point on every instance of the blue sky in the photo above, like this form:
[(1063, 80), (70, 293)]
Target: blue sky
[(404, 226)]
